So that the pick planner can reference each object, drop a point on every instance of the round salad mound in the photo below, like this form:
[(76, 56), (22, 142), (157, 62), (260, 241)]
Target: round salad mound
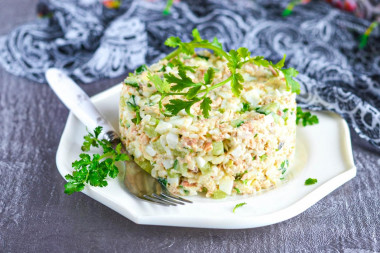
[(244, 145)]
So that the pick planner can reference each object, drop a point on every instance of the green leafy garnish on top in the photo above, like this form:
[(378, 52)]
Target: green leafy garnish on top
[(94, 171), (191, 92)]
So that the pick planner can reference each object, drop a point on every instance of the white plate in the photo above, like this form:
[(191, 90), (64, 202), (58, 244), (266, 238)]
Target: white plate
[(323, 152)]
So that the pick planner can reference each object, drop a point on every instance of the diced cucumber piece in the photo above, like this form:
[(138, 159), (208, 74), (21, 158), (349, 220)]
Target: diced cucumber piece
[(178, 153), (226, 184), (176, 165), (172, 173), (217, 148), (144, 164), (158, 147), (173, 181), (153, 121), (218, 194), (200, 162), (183, 168), (206, 169), (268, 108), (149, 130)]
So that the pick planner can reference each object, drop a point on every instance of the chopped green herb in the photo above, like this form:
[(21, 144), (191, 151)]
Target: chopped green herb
[(284, 165), (131, 82), (255, 136), (311, 181), (246, 107), (254, 157), (306, 117), (141, 69), (263, 157), (237, 122), (237, 190), (134, 107), (162, 181), (240, 175), (238, 205), (96, 170), (203, 57), (259, 110)]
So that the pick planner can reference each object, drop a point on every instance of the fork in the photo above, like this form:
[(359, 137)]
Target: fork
[(140, 183)]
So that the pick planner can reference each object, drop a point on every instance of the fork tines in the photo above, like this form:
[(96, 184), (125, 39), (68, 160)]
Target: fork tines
[(166, 199)]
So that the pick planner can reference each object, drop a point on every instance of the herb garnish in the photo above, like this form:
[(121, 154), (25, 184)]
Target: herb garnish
[(311, 181), (263, 157), (283, 167), (237, 123), (246, 107), (183, 85), (162, 181), (238, 176), (141, 69), (94, 171), (238, 205), (134, 107), (131, 82), (306, 117)]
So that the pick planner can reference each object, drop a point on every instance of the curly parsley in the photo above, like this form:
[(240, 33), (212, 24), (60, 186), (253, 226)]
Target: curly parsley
[(95, 170)]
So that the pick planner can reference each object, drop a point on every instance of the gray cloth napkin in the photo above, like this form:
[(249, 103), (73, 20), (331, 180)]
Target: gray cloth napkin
[(92, 42)]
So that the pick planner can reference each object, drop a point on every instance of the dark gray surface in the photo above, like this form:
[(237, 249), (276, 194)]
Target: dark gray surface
[(36, 216)]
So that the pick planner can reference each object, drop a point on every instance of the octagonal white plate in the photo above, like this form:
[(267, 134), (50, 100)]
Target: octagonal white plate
[(323, 151)]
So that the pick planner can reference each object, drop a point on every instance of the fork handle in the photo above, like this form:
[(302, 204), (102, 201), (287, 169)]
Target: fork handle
[(78, 102)]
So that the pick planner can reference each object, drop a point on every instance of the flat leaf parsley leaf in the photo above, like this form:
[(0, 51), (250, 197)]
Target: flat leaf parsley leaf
[(306, 117), (95, 170), (206, 107), (238, 205), (290, 82), (176, 105), (180, 84)]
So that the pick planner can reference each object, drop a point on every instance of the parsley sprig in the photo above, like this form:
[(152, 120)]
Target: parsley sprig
[(95, 170), (192, 92), (306, 117)]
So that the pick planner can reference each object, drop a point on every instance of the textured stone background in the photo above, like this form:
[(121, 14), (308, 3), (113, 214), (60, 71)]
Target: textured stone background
[(36, 216)]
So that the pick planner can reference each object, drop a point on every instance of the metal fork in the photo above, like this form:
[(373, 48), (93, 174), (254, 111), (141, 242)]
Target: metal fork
[(140, 183)]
